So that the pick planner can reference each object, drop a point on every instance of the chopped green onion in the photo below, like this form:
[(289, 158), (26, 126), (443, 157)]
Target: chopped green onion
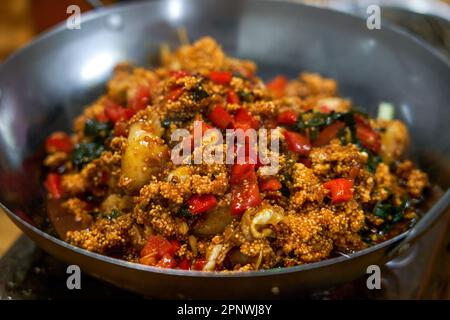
[(386, 111)]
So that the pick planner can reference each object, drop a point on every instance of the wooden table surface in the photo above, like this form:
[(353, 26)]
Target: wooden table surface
[(8, 233)]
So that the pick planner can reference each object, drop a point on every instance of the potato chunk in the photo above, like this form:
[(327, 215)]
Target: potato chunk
[(144, 156)]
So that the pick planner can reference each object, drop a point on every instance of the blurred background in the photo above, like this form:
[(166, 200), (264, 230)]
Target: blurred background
[(22, 20)]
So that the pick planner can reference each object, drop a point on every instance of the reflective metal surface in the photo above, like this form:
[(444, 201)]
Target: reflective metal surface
[(433, 8), (45, 86)]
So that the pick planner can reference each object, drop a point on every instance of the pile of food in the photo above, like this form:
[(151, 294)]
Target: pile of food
[(341, 186)]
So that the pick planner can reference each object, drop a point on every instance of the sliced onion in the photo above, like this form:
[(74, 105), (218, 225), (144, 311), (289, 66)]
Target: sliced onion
[(212, 258)]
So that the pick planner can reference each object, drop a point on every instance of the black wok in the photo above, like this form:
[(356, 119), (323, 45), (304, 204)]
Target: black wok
[(46, 84)]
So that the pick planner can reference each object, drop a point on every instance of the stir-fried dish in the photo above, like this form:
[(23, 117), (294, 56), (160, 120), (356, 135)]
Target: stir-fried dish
[(341, 183)]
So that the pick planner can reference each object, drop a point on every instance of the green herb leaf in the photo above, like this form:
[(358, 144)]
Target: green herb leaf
[(396, 214), (383, 210), (198, 93), (86, 152), (114, 214), (245, 96), (185, 213), (97, 129), (373, 161)]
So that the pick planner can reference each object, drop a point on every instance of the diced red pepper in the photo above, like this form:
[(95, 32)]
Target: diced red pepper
[(242, 115), (220, 77), (101, 117), (325, 109), (184, 264), (244, 188), (287, 117), (159, 251), (369, 138), (175, 93), (220, 117), (158, 246), (141, 99), (244, 195), (271, 185), (297, 143), (200, 203), (180, 74), (59, 141), (167, 261), (176, 245), (148, 260), (241, 172), (198, 264), (244, 120), (115, 112), (53, 185), (329, 133), (340, 189), (232, 97), (278, 86)]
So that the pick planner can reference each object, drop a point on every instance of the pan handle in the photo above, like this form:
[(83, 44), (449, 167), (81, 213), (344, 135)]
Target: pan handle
[(424, 224)]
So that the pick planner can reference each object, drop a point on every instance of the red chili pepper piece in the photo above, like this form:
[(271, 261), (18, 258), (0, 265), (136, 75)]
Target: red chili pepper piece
[(297, 143), (198, 264), (115, 112), (220, 77), (278, 86), (244, 120), (167, 261), (184, 264), (245, 195), (232, 97), (220, 117), (325, 109), (176, 245), (141, 99), (287, 117), (158, 246), (271, 185), (59, 141), (159, 251), (175, 93), (341, 190), (53, 185), (329, 133), (241, 172), (148, 260), (369, 138), (245, 191), (200, 203), (101, 117)]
